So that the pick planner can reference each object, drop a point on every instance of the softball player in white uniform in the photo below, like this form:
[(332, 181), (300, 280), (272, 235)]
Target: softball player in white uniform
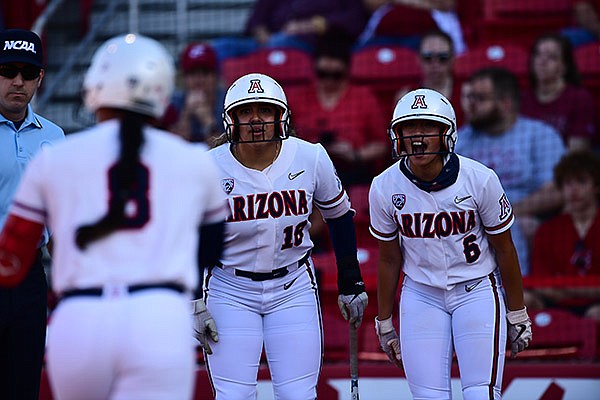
[(264, 291), (125, 202), (444, 221)]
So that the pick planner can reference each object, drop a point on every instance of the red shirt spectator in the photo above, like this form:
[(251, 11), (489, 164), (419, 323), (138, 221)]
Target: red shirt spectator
[(356, 119), (572, 113)]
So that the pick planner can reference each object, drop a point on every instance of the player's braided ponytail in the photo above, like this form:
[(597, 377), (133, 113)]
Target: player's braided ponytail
[(131, 138)]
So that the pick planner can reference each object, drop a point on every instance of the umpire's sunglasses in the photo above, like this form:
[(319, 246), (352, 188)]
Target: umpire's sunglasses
[(29, 72)]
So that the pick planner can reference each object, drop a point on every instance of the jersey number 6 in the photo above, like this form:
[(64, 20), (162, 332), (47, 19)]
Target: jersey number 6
[(471, 249)]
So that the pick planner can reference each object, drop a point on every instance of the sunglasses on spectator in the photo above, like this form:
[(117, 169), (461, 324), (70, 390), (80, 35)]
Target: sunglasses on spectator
[(29, 72), (440, 57), (334, 75)]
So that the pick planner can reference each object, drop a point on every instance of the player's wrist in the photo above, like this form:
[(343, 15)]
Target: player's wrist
[(384, 326), (198, 306), (517, 316)]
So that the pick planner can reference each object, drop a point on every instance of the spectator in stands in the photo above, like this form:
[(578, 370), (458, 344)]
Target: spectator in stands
[(436, 58), (586, 23), (569, 244), (465, 102), (294, 23), (555, 94), (521, 150), (343, 117), (403, 22), (195, 112)]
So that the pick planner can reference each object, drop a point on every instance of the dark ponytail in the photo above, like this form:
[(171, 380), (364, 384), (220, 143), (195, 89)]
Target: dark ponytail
[(123, 178)]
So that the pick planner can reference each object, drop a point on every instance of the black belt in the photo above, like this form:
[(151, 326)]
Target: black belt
[(276, 273), (96, 292)]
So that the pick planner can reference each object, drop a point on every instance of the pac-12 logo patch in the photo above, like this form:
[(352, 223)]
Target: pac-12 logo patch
[(399, 200), (419, 102), (227, 184), (255, 86)]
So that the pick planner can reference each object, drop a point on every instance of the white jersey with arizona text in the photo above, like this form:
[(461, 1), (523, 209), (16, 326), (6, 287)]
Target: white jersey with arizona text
[(271, 208), (442, 233), (69, 185)]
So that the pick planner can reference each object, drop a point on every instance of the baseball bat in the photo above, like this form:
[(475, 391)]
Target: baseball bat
[(353, 363)]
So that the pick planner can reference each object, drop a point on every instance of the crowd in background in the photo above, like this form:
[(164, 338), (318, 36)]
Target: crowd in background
[(540, 134), (521, 126)]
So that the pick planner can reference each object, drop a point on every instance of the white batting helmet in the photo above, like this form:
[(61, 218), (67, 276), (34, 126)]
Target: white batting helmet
[(255, 88), (425, 104), (130, 72)]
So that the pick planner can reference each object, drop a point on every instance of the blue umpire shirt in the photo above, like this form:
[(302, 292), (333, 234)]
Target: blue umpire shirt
[(17, 148)]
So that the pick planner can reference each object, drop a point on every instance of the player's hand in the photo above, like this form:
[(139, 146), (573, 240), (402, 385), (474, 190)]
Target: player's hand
[(519, 330), (353, 307), (388, 340), (204, 325)]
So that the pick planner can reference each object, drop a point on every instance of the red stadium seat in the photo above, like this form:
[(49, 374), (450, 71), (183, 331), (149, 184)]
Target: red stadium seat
[(587, 58), (287, 66), (359, 197), (561, 334), (526, 8), (500, 54), (522, 21), (385, 69)]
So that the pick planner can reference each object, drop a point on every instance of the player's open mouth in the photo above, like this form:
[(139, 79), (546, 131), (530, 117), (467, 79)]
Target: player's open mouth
[(418, 147)]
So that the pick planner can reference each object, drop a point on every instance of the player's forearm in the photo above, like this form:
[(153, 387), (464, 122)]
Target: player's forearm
[(18, 245), (388, 274), (508, 263), (387, 284)]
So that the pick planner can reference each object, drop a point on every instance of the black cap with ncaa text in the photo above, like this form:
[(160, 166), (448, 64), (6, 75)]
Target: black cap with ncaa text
[(20, 46)]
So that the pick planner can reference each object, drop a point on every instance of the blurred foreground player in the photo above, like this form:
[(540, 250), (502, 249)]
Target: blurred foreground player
[(125, 202)]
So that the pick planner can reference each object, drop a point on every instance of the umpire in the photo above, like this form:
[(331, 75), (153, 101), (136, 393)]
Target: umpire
[(22, 133)]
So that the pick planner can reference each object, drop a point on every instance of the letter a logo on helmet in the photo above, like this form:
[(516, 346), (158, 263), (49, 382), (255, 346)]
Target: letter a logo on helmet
[(419, 102), (255, 86)]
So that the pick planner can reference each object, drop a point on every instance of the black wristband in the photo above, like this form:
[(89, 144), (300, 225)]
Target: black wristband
[(349, 278)]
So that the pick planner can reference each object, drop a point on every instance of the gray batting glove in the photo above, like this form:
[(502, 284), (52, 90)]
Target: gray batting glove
[(204, 325), (353, 307), (519, 330), (388, 340)]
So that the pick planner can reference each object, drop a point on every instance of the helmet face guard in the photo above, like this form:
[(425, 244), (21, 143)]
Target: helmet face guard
[(423, 104), (256, 88), (232, 130)]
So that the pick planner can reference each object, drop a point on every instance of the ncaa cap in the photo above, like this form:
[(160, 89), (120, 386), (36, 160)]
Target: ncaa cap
[(20, 46), (198, 56)]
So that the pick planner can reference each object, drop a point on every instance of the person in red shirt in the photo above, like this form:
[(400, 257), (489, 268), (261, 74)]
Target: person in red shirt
[(556, 95), (436, 58), (569, 244), (347, 119)]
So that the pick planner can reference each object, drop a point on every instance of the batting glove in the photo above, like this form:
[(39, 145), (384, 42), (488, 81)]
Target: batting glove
[(388, 340), (353, 307), (204, 325), (519, 330)]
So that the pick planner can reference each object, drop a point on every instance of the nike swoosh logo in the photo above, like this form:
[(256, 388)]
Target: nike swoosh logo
[(472, 286), (294, 176), (286, 286), (459, 200), (521, 330)]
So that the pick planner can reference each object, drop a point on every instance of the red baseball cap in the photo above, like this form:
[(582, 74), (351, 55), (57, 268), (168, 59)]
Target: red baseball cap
[(198, 56)]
